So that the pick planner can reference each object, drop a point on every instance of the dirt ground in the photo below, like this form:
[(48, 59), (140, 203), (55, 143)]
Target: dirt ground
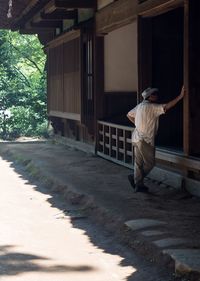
[(103, 185)]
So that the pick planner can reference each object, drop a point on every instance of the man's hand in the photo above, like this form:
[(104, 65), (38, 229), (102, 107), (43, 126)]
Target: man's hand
[(132, 119), (182, 94), (173, 102)]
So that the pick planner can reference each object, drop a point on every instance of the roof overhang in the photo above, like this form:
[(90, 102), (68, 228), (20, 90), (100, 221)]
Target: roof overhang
[(39, 15)]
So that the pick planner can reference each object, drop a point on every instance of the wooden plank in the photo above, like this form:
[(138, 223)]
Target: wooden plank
[(55, 78), (98, 82), (117, 14), (130, 166), (186, 107), (194, 77), (155, 7), (128, 140), (129, 153), (63, 38), (177, 159), (59, 15), (144, 54), (47, 24), (68, 4), (27, 14), (116, 126), (67, 115), (34, 30)]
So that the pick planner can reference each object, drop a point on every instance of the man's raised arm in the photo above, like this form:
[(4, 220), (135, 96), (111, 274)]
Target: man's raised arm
[(173, 102)]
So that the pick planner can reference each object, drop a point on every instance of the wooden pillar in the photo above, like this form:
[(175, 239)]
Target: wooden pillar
[(98, 83), (186, 108), (194, 78), (144, 54)]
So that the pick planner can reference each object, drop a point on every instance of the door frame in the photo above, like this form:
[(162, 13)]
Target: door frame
[(145, 57)]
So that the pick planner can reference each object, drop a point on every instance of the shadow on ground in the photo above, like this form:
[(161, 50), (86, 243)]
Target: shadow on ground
[(99, 237), (15, 263)]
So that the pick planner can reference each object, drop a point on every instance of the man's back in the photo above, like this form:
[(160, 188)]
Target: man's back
[(146, 121)]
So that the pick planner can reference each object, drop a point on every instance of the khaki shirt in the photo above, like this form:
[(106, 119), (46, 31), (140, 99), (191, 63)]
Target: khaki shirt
[(146, 116)]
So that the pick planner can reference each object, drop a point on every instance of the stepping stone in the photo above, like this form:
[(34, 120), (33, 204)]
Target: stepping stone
[(143, 223), (186, 260), (152, 232), (167, 242)]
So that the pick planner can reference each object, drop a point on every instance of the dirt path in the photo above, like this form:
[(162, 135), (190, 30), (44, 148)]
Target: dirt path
[(39, 242)]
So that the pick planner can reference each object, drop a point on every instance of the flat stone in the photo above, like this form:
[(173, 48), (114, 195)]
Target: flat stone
[(143, 223), (192, 186), (152, 232), (166, 177), (186, 260), (163, 243)]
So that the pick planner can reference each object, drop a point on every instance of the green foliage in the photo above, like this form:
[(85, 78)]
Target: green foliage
[(22, 84)]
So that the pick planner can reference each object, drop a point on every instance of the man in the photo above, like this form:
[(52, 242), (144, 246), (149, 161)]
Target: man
[(145, 116)]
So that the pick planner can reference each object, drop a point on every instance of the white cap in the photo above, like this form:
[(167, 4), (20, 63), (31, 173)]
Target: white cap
[(149, 91)]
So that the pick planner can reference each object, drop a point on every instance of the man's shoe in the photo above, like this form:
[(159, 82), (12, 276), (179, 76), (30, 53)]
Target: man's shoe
[(131, 180), (142, 188)]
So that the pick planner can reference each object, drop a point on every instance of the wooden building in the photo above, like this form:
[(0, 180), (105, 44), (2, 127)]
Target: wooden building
[(102, 54)]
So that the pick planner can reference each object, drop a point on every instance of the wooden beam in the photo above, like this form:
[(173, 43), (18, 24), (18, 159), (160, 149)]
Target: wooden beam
[(47, 24), (178, 159), (116, 15), (59, 15), (187, 71), (33, 30), (67, 115), (65, 37), (68, 4), (155, 7)]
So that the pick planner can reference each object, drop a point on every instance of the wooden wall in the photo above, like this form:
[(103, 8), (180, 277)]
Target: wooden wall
[(72, 91), (55, 78), (64, 78)]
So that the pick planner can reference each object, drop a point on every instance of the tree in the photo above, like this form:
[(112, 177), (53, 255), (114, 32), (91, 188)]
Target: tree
[(22, 84)]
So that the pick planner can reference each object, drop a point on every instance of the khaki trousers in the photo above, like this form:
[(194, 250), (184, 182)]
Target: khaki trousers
[(144, 161)]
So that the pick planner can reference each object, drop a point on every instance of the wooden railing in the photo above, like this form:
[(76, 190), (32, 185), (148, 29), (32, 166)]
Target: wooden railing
[(114, 143)]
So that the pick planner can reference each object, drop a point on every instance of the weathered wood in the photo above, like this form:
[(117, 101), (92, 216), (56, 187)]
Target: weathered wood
[(34, 30), (55, 79), (156, 7), (72, 77), (66, 37), (186, 106), (114, 142), (59, 15), (64, 78), (144, 54), (178, 159), (68, 4), (116, 15), (98, 83), (194, 78), (27, 14), (66, 115), (47, 24)]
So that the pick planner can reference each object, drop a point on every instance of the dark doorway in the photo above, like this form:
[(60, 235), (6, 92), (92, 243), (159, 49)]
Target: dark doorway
[(167, 74)]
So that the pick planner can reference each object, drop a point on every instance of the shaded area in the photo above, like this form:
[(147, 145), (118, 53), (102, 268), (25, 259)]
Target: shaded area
[(15, 263), (112, 188)]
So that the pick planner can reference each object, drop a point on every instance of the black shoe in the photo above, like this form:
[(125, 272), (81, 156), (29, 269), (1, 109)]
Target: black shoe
[(142, 188), (131, 180)]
